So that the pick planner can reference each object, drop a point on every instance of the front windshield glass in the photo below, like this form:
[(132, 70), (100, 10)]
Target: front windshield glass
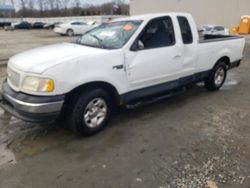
[(112, 35)]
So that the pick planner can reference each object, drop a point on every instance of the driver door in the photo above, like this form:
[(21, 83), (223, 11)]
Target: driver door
[(155, 58)]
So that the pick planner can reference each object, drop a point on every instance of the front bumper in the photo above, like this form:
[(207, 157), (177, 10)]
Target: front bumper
[(31, 108)]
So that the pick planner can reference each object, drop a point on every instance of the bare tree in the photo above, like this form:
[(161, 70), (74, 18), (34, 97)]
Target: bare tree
[(65, 3), (23, 3), (48, 8), (58, 4), (76, 8), (77, 3), (40, 4), (31, 4), (24, 7), (13, 3)]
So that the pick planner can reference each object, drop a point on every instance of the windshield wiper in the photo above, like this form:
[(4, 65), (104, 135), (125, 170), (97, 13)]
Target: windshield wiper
[(98, 39)]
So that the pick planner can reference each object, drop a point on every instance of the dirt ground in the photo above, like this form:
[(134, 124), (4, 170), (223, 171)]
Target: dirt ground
[(13, 42), (194, 139)]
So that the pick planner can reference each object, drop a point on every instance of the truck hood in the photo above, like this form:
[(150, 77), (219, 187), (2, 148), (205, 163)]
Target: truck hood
[(40, 59)]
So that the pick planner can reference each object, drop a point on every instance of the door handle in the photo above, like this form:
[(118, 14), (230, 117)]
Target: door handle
[(177, 56)]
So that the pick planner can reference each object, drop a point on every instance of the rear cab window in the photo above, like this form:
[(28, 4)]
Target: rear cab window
[(186, 32)]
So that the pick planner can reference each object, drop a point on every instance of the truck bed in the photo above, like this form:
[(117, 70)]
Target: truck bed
[(216, 38)]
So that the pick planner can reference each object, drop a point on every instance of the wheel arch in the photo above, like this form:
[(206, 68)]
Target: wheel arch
[(69, 29), (224, 59), (94, 85)]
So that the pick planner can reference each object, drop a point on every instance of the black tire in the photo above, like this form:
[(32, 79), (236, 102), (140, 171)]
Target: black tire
[(211, 82), (70, 33), (77, 109)]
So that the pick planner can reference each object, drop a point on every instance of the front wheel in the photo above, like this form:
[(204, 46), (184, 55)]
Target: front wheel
[(70, 32), (90, 112), (216, 77)]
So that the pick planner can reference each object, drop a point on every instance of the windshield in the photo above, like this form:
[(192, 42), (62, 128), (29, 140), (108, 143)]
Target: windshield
[(112, 35)]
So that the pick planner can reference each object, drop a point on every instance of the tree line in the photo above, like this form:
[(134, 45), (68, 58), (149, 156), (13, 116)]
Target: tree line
[(57, 8)]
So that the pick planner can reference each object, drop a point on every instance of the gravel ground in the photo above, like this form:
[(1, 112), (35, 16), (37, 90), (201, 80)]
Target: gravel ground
[(17, 41), (195, 139)]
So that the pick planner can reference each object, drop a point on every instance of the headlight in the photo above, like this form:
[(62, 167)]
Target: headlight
[(37, 84)]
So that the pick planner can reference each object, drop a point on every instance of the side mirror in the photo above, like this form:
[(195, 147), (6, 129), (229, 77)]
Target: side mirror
[(138, 45)]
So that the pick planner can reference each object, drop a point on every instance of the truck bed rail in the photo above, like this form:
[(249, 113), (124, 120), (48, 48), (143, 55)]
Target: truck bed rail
[(216, 38)]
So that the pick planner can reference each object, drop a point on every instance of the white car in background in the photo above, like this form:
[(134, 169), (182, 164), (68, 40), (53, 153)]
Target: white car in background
[(214, 30), (74, 28)]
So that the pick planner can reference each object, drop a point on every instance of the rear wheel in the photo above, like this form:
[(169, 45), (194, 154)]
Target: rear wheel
[(216, 77), (70, 33), (90, 112)]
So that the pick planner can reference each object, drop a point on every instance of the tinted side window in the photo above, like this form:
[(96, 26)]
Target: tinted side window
[(158, 33), (218, 28), (186, 32), (82, 23)]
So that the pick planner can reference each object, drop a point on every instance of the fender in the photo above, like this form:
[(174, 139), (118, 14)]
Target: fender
[(225, 53)]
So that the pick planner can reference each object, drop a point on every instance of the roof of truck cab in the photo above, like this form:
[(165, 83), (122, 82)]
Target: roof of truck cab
[(146, 17)]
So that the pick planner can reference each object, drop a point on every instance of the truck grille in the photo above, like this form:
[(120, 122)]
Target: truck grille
[(13, 77)]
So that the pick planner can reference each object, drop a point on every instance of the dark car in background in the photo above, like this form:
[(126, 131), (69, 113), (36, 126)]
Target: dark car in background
[(38, 25), (22, 25), (5, 24)]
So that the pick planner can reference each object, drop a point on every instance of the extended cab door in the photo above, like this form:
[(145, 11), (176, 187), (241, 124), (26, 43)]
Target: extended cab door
[(154, 57), (188, 46)]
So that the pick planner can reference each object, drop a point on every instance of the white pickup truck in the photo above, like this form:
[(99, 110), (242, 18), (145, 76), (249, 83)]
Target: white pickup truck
[(117, 63)]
